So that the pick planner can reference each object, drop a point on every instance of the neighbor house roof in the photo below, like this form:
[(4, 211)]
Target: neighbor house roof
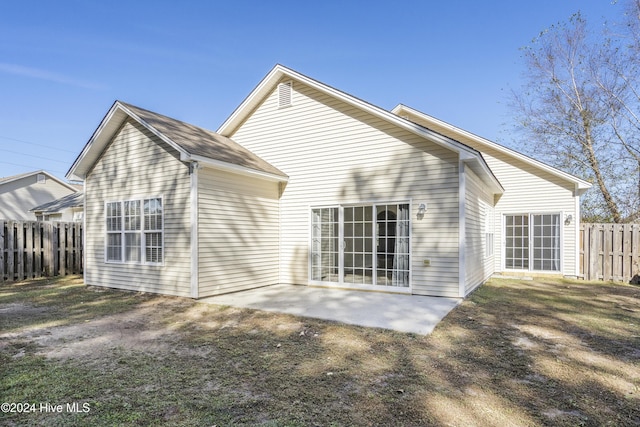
[(192, 142), (457, 133), (8, 179), (280, 73), (74, 200)]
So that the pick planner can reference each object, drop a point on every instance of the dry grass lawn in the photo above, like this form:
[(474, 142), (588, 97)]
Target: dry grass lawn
[(516, 353)]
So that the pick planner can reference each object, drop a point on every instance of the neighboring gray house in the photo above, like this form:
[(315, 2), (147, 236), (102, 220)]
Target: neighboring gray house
[(67, 208), (20, 193), (305, 184)]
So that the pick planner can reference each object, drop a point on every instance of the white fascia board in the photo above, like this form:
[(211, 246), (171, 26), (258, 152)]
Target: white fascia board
[(493, 183), (229, 167), (275, 75), (269, 82), (238, 115), (97, 142), (581, 184), (102, 136), (43, 172)]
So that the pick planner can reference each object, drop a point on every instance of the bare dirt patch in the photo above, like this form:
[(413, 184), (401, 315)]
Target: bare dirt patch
[(516, 353)]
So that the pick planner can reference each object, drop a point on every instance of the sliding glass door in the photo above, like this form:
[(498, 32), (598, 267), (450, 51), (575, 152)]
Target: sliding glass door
[(532, 242), (361, 244)]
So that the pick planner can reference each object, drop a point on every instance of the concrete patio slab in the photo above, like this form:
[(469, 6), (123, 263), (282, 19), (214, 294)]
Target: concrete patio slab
[(404, 313)]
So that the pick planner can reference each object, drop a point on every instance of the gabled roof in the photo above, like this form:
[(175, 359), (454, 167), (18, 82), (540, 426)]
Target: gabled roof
[(279, 73), (74, 200), (468, 137), (12, 178), (192, 142)]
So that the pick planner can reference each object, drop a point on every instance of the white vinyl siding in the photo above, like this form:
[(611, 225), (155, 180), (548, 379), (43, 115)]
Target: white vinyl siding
[(135, 166), (527, 188), (338, 154), (238, 232), (478, 209), (19, 196)]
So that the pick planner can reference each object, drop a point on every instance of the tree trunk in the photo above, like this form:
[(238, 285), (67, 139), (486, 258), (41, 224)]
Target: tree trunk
[(595, 166)]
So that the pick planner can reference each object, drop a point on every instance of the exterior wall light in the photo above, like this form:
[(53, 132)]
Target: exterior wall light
[(568, 219), (422, 208)]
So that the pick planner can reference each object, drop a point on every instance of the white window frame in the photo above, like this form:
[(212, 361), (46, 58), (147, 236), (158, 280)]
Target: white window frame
[(142, 232), (342, 283), (41, 178), (531, 242)]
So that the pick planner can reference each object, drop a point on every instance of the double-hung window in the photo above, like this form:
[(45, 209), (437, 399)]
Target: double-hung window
[(134, 231)]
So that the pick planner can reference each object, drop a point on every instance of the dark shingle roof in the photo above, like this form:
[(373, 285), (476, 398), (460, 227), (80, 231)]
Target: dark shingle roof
[(202, 142), (72, 200)]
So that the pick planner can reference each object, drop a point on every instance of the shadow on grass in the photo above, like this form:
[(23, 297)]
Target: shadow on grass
[(514, 353)]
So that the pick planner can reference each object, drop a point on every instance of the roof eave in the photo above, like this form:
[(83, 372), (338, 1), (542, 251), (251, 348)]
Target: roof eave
[(112, 121), (41, 171), (278, 72), (230, 167), (581, 185), (96, 144)]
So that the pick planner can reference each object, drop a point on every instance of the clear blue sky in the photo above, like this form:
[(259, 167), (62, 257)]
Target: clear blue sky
[(63, 63)]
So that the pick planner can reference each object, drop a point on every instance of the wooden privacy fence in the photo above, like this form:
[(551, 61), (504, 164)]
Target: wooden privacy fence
[(610, 252), (31, 249)]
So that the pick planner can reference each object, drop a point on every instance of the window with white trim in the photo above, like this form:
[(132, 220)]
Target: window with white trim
[(134, 231), (532, 242)]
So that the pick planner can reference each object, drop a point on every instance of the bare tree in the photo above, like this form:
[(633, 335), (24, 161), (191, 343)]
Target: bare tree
[(579, 110)]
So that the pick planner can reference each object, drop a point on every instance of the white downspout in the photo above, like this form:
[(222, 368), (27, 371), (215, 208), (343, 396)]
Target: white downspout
[(193, 169), (462, 214)]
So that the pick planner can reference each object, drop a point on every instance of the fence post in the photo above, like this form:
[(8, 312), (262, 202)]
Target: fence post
[(47, 252), (62, 230), (11, 235), (28, 251), (55, 245), (37, 249), (594, 233), (626, 250), (635, 251), (77, 244), (20, 229), (3, 269)]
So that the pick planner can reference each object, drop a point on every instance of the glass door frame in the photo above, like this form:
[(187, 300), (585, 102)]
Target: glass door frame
[(531, 241), (375, 237)]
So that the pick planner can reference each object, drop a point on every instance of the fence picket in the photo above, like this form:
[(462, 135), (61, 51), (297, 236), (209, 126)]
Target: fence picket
[(3, 268), (28, 249), (62, 233), (32, 249), (11, 233), (37, 250), (609, 251)]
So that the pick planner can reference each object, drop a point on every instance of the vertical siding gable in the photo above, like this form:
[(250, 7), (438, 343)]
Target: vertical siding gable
[(137, 164), (337, 153)]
